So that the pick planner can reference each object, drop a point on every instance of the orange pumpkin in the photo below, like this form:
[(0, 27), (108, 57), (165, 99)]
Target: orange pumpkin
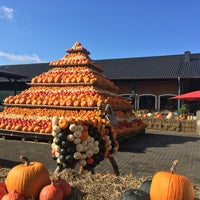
[(51, 191), (64, 186), (84, 135), (63, 123), (2, 192), (3, 185), (13, 195), (168, 186), (27, 179)]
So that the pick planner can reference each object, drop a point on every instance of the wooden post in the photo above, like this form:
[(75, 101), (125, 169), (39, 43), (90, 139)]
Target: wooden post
[(114, 165)]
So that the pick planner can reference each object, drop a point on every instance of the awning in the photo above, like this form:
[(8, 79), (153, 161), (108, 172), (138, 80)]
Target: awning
[(190, 96)]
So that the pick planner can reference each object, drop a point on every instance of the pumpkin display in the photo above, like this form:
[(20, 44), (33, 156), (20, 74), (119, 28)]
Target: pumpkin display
[(72, 146), (75, 91), (51, 192), (28, 178), (73, 83), (135, 194), (171, 186), (13, 195)]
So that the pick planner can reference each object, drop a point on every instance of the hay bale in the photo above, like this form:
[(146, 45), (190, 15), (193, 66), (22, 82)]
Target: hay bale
[(175, 125), (157, 125), (165, 125), (189, 126), (150, 123), (99, 186)]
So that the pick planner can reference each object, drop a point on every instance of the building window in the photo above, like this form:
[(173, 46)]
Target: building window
[(166, 104), (4, 94), (147, 101)]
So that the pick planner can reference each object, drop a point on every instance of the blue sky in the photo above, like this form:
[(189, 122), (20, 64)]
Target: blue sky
[(33, 31)]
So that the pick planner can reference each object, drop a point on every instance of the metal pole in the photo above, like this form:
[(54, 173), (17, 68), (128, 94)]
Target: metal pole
[(179, 91)]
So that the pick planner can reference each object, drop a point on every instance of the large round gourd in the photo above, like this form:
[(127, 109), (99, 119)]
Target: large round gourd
[(145, 187), (28, 178), (135, 194), (171, 186)]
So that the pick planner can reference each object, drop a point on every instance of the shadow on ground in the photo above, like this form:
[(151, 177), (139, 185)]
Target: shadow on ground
[(8, 163), (139, 143)]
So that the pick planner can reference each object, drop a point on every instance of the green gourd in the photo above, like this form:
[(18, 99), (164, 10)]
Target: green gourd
[(145, 187), (134, 194)]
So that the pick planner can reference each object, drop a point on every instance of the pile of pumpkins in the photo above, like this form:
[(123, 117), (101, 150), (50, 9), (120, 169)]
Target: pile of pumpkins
[(36, 120), (164, 115), (77, 55), (79, 74), (156, 115), (31, 180), (77, 96)]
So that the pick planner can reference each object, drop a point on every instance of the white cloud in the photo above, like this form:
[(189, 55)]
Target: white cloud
[(7, 13), (21, 58)]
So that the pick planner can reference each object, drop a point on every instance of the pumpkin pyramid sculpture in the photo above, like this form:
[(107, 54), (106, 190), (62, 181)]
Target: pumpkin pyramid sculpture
[(78, 105)]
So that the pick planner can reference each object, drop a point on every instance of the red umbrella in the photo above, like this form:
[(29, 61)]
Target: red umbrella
[(195, 95)]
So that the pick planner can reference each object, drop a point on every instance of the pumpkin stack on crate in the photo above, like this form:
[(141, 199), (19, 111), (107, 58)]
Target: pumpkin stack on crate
[(71, 99)]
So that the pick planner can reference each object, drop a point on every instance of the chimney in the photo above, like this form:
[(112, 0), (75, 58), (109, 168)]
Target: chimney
[(186, 56)]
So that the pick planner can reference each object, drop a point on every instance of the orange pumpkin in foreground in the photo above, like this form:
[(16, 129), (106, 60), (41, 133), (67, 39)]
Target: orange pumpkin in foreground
[(28, 179), (13, 195), (64, 186), (3, 185), (2, 192), (171, 186), (51, 192)]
